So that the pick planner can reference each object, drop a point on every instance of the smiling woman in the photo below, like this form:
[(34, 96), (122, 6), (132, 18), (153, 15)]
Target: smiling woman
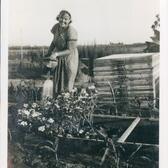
[(63, 49)]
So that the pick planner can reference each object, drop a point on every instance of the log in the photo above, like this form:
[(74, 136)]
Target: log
[(138, 144), (129, 56), (143, 104), (128, 87), (123, 78), (122, 121), (135, 93), (140, 82), (126, 57), (126, 67), (122, 64), (127, 72)]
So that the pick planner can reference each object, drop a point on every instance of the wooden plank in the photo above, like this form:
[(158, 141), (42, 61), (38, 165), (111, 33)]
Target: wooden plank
[(118, 76), (129, 130), (116, 121), (138, 144), (126, 102), (115, 117), (121, 77), (122, 99), (130, 94), (129, 56), (123, 65), (129, 107), (113, 73), (128, 87), (143, 104), (127, 67), (140, 82), (131, 89), (119, 104), (125, 61)]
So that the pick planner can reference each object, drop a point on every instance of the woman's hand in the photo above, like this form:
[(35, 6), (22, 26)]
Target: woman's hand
[(53, 56)]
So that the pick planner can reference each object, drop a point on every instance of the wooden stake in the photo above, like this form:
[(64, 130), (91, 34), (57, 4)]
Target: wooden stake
[(129, 130)]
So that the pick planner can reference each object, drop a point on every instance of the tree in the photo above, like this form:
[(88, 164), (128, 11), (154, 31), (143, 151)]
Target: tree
[(155, 44), (156, 29)]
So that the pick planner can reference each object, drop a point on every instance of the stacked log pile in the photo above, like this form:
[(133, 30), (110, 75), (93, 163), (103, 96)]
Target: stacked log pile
[(127, 82)]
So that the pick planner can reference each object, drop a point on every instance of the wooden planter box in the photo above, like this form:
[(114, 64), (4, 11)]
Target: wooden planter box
[(81, 150), (90, 151)]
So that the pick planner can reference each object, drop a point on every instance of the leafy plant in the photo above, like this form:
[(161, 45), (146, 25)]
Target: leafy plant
[(41, 124)]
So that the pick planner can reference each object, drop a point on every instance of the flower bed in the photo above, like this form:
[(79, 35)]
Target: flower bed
[(40, 126), (65, 115)]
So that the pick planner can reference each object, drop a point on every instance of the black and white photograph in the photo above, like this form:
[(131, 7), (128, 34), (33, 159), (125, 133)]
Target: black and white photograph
[(83, 83)]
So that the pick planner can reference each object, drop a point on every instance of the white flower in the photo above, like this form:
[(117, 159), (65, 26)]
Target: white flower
[(26, 112), (36, 114), (48, 103), (78, 108), (34, 105), (67, 95), (70, 117), (83, 91), (24, 123), (43, 119), (41, 128), (50, 120), (81, 131), (51, 132), (57, 106), (19, 111), (25, 105)]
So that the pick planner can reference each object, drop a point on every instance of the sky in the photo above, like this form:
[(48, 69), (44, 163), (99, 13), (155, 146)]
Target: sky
[(100, 21)]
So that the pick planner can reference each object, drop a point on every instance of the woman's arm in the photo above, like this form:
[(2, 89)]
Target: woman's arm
[(71, 46), (50, 49)]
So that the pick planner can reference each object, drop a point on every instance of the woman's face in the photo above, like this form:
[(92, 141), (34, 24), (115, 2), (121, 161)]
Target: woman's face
[(64, 20)]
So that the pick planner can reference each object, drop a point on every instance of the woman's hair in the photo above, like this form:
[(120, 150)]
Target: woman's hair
[(62, 13)]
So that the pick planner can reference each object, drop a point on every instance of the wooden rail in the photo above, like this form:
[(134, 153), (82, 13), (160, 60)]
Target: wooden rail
[(129, 130)]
